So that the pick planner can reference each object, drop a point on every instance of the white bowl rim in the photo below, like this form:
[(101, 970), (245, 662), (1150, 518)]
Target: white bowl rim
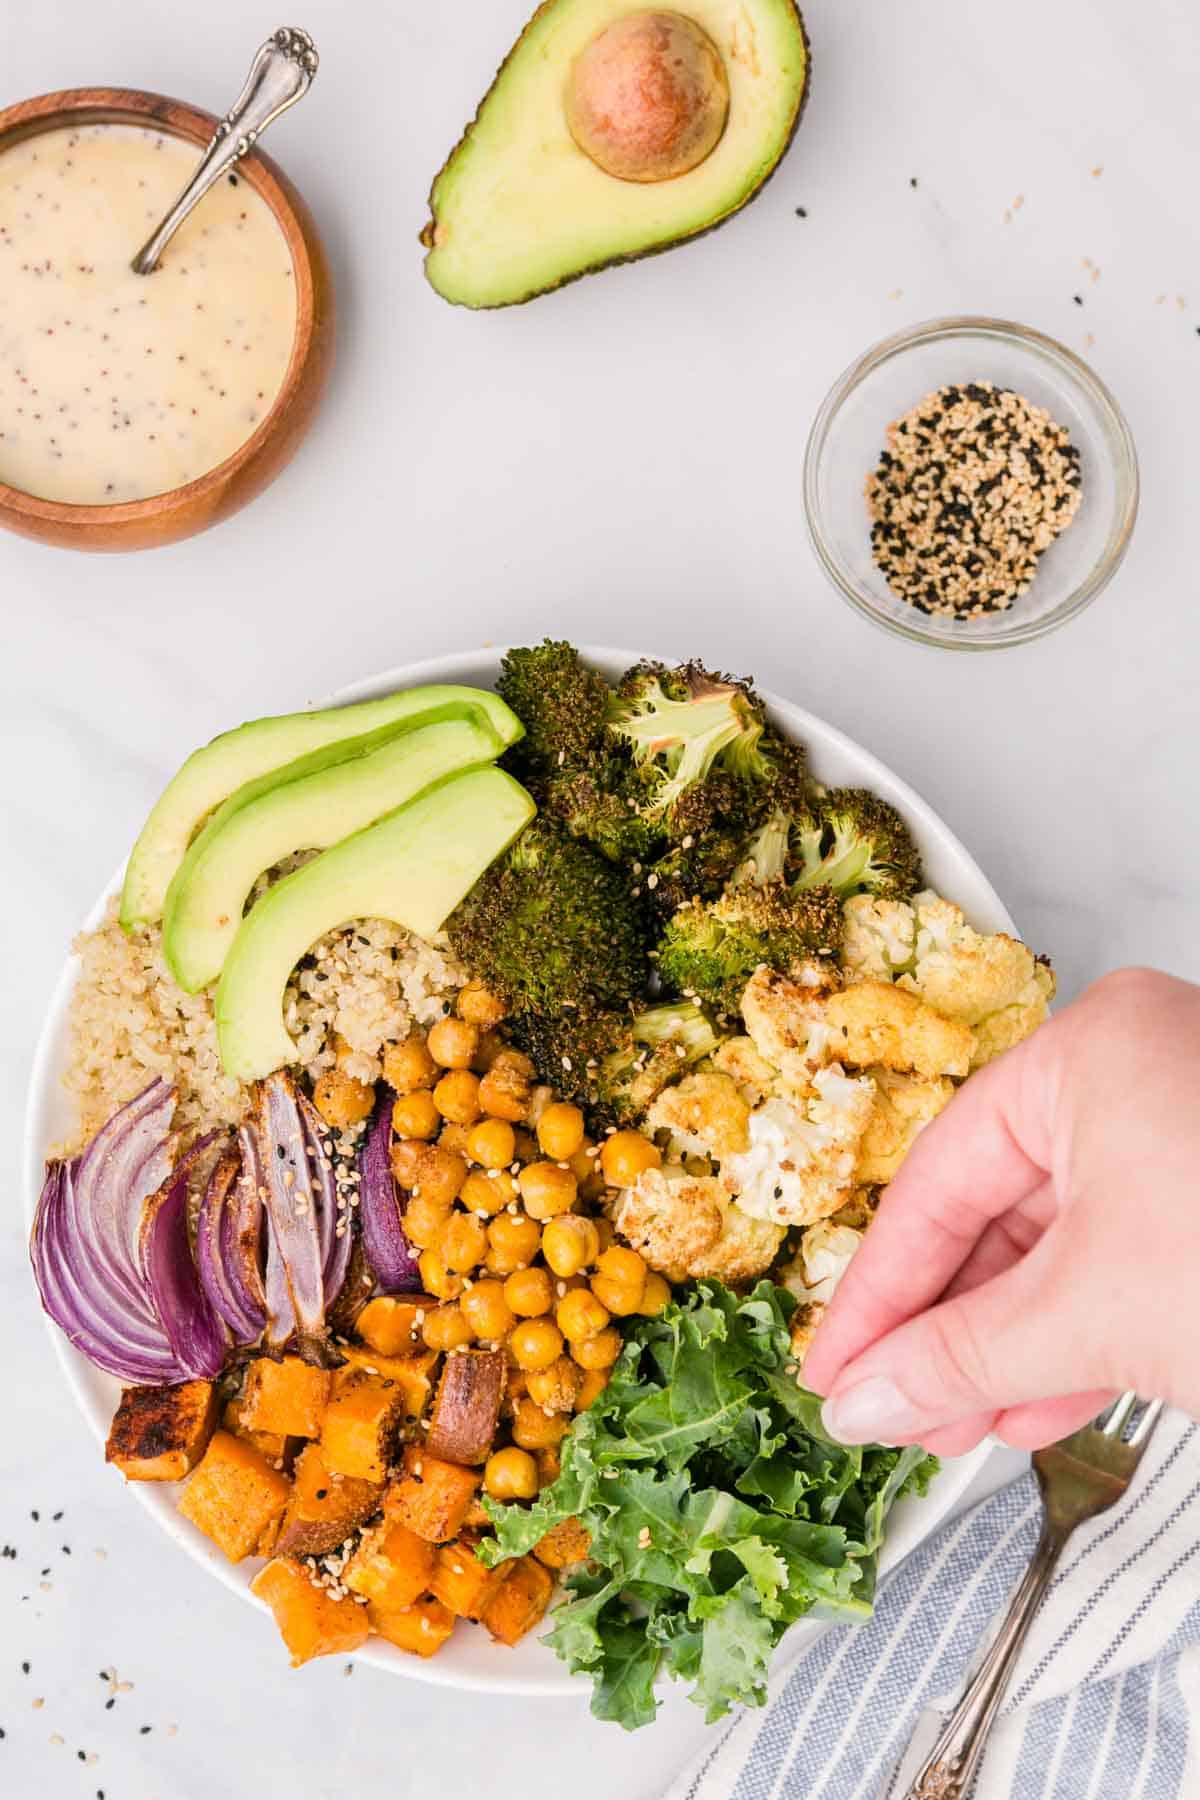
[(546, 1678)]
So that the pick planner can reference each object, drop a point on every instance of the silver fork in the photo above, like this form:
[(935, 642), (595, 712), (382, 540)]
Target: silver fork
[(1079, 1477)]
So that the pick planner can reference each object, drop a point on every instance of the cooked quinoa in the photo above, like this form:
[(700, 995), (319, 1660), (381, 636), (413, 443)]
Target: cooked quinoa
[(359, 989)]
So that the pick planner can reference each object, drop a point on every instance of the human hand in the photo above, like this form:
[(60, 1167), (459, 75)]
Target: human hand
[(1039, 1249)]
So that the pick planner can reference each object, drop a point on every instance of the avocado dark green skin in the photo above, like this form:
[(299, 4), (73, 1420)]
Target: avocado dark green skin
[(425, 237)]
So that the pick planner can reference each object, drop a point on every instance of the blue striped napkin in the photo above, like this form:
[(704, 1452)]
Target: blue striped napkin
[(1104, 1695)]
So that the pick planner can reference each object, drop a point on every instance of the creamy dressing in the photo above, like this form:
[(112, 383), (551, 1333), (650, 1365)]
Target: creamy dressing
[(116, 386)]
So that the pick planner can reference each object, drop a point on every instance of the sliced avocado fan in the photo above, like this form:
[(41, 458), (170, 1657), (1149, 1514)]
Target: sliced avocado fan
[(520, 207), (309, 805), (253, 750), (412, 867)]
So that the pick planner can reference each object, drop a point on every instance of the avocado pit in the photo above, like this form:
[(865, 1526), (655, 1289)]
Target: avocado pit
[(648, 98)]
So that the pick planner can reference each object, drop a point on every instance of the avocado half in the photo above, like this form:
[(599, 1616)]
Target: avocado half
[(519, 209)]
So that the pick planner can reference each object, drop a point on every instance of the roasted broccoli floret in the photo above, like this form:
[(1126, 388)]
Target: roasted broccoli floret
[(558, 699), (553, 925), (853, 842), (711, 951), (657, 1046), (569, 1047), (682, 725), (599, 803)]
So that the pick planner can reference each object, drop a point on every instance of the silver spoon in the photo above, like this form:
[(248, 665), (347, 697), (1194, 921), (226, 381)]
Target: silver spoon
[(281, 73)]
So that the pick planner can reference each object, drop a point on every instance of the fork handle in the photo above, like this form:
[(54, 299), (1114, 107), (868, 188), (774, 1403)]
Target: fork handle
[(947, 1771)]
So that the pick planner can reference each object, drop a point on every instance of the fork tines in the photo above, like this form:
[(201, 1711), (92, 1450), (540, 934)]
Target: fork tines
[(1130, 1420)]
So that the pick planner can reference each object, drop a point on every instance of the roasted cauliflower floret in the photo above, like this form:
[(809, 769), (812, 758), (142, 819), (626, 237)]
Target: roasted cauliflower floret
[(879, 940), (705, 1114), (738, 1058), (992, 983), (874, 1022), (904, 1105), (688, 1227), (821, 1261), (803, 1152), (800, 1029)]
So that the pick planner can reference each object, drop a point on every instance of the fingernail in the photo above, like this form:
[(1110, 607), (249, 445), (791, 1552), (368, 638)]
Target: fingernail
[(873, 1412)]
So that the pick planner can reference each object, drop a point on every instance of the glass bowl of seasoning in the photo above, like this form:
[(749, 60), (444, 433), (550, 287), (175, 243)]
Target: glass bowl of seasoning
[(970, 483)]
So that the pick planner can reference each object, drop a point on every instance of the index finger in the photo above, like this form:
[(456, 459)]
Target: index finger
[(988, 1151)]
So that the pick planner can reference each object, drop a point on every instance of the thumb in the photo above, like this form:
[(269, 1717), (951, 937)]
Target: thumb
[(1004, 1344)]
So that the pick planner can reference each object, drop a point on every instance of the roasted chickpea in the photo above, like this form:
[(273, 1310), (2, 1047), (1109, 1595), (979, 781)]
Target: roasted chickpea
[(590, 1388), (415, 1115), (456, 1097), (626, 1155), (436, 1278), (462, 1242), (479, 1006), (529, 1293), (620, 1280), (491, 1045), (446, 1328), (514, 1387), (486, 1310), (546, 1189), (453, 1043), (488, 1194), (511, 1474), (534, 1429), (492, 1143), (570, 1243), (554, 1389), (513, 1242), (535, 1344), (423, 1220), (580, 1315), (656, 1295), (598, 1352), (409, 1066), (453, 1137), (341, 1100), (504, 1091), (429, 1170), (560, 1130)]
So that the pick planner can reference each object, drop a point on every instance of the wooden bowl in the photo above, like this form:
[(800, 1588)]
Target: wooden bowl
[(178, 513)]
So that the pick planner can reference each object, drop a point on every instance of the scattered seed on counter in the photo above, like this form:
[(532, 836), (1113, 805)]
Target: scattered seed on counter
[(973, 484), (802, 212)]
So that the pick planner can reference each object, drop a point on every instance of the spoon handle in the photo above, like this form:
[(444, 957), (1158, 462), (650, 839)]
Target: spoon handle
[(281, 73)]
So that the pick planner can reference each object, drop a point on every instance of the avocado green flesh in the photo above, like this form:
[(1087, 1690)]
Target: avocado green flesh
[(412, 867), (307, 809), (254, 750), (519, 208)]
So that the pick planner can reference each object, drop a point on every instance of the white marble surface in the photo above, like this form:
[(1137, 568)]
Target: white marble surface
[(620, 461)]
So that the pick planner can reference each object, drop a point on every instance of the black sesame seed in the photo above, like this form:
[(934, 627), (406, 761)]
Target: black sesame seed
[(144, 1729), (912, 181), (24, 1668), (1079, 299), (110, 1703), (56, 1517), (802, 213)]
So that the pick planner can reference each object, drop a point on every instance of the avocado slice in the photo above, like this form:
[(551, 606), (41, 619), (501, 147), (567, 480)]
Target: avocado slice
[(311, 804), (519, 208), (413, 867), (253, 750)]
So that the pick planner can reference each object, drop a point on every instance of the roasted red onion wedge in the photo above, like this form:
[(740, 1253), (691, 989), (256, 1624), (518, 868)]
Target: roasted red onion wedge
[(388, 1249)]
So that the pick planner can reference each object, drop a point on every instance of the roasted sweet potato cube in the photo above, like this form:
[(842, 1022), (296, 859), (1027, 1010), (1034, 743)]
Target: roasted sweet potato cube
[(362, 1425), (431, 1497), (311, 1622), (324, 1507), (461, 1582), (392, 1325), (277, 1449), (411, 1374), (467, 1409), (160, 1433), (421, 1628), (520, 1602), (391, 1567), (235, 1497), (563, 1545), (288, 1397)]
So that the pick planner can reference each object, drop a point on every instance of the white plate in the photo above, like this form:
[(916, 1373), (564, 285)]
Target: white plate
[(471, 1660)]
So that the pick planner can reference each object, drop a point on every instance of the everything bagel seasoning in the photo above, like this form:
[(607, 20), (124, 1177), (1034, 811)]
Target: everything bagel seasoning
[(974, 483)]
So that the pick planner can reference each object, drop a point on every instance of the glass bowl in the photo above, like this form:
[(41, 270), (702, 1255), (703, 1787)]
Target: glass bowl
[(848, 435)]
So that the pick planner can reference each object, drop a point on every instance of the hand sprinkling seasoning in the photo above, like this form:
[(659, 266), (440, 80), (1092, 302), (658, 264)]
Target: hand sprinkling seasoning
[(974, 484)]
